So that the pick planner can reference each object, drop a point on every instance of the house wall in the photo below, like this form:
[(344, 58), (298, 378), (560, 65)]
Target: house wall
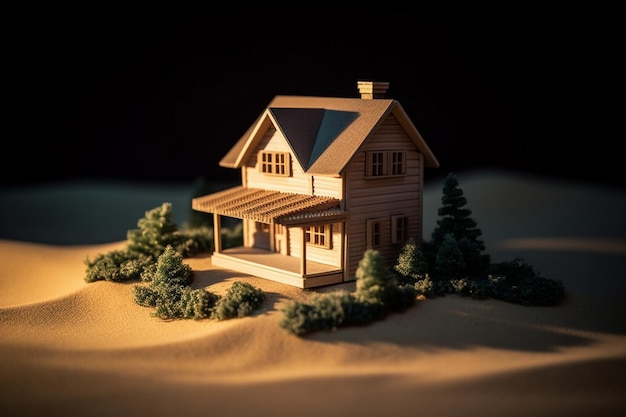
[(297, 182), (330, 256), (380, 198)]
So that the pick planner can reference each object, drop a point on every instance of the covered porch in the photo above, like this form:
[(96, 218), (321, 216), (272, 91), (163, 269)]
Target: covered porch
[(280, 208)]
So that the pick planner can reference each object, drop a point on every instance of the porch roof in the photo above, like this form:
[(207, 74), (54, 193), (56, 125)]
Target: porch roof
[(268, 206)]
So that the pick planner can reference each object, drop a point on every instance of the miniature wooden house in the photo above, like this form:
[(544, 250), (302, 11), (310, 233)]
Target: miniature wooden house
[(322, 180)]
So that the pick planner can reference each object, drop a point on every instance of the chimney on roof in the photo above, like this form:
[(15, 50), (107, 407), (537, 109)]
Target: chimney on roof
[(372, 89)]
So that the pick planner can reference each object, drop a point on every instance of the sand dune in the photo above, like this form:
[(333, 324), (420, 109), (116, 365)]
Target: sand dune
[(74, 348)]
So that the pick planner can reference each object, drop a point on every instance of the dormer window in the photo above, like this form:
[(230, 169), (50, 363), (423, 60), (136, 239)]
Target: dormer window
[(385, 163), (274, 163)]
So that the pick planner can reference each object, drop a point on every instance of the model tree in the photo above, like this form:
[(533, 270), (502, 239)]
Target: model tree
[(456, 226), (155, 232), (411, 264)]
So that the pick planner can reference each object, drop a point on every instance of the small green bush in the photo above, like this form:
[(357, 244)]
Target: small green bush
[(117, 265), (425, 287), (411, 265), (168, 292), (377, 294), (155, 254), (326, 311), (241, 300), (146, 296), (518, 282), (170, 270)]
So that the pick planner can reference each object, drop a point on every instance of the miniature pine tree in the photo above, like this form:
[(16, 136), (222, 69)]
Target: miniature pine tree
[(155, 232), (170, 269), (374, 280), (449, 263), (455, 220), (411, 263), (377, 290)]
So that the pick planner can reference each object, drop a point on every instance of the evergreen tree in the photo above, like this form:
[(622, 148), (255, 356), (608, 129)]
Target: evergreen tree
[(455, 220), (155, 232), (449, 263), (411, 264), (375, 281), (171, 270)]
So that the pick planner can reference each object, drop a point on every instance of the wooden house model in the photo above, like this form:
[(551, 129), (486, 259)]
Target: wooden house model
[(322, 180)]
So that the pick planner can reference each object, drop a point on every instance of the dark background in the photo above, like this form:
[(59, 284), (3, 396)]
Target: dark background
[(118, 94)]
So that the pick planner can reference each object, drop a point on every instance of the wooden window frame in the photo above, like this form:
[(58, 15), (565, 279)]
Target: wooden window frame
[(383, 164), (374, 233), (319, 236), (274, 163), (399, 229)]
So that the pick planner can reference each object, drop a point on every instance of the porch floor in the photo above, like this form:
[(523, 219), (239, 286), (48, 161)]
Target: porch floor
[(277, 267)]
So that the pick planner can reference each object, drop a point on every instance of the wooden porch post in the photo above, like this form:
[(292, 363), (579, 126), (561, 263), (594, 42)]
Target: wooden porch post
[(217, 233), (303, 253)]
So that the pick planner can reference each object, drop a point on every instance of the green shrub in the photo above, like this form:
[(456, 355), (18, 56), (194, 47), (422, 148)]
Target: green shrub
[(195, 241), (298, 318), (458, 265), (518, 282), (155, 232), (425, 287), (146, 296), (322, 312), (377, 294), (240, 300), (168, 292), (197, 303), (411, 264), (449, 263), (117, 265), (155, 255), (170, 270)]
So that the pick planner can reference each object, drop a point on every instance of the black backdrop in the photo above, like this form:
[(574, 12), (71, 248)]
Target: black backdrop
[(161, 97)]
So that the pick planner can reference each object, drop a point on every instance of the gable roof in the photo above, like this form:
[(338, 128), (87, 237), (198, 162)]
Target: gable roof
[(324, 133)]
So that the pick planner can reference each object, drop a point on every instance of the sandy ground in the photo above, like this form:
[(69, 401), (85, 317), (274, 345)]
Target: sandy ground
[(73, 348)]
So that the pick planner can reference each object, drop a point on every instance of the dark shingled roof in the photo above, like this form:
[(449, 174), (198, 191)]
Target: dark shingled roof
[(324, 132)]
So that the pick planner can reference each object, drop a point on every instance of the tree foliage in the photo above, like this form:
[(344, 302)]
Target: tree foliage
[(411, 264), (377, 295), (168, 291), (155, 255), (154, 232), (241, 299), (455, 257), (456, 227)]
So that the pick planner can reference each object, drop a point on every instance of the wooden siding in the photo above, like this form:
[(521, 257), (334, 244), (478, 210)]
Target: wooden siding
[(330, 256), (327, 186), (297, 182), (379, 199)]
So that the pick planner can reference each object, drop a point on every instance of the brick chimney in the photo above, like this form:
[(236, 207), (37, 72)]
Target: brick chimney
[(372, 89)]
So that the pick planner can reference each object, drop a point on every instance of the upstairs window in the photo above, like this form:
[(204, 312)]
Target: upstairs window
[(274, 163), (385, 163), (319, 236)]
